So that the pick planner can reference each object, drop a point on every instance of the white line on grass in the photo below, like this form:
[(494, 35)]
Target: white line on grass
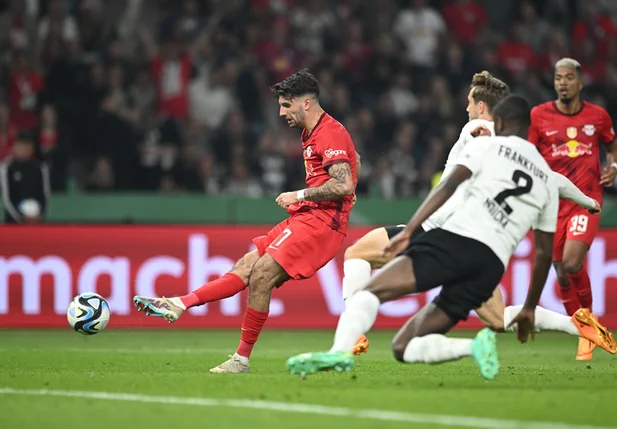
[(144, 350), (391, 416)]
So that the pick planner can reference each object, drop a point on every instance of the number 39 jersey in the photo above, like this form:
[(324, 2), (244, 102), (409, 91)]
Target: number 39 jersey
[(511, 190)]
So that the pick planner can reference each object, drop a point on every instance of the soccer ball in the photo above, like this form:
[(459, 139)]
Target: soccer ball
[(88, 313), (30, 208)]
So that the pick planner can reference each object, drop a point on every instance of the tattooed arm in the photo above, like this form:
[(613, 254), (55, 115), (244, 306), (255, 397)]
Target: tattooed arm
[(337, 187)]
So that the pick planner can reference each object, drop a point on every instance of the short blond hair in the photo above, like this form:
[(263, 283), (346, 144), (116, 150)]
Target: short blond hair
[(488, 89), (570, 63)]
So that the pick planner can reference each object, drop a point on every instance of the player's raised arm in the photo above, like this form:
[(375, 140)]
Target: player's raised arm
[(569, 191)]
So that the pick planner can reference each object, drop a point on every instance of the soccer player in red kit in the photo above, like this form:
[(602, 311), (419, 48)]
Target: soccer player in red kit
[(301, 244), (568, 133)]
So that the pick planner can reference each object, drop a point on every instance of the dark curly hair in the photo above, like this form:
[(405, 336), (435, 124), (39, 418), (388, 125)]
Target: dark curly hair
[(300, 83)]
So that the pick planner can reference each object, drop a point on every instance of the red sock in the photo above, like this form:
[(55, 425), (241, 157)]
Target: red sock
[(569, 299), (582, 286), (223, 287), (251, 327)]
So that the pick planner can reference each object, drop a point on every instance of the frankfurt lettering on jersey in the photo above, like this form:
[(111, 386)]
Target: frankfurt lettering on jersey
[(510, 191), (514, 156)]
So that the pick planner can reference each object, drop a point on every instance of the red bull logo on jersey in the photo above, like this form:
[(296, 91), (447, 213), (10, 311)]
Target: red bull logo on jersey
[(572, 149), (590, 130)]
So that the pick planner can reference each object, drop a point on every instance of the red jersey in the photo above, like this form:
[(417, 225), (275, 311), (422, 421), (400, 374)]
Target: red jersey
[(22, 98), (571, 145), (172, 82), (329, 143)]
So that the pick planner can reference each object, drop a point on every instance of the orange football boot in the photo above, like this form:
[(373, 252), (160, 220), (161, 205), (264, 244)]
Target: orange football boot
[(593, 331), (585, 349), (361, 345)]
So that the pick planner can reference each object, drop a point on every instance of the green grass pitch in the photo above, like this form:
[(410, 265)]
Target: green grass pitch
[(159, 379)]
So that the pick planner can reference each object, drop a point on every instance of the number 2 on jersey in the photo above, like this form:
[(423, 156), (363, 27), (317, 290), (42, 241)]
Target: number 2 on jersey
[(523, 182)]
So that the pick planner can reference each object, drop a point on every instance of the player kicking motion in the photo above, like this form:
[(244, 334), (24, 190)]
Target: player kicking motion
[(568, 133), (509, 188), (367, 253), (300, 245)]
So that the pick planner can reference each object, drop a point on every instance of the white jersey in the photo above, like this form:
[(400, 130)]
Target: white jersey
[(512, 189), (437, 218)]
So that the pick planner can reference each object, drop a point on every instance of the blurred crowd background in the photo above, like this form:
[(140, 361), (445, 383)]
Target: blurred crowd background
[(173, 95)]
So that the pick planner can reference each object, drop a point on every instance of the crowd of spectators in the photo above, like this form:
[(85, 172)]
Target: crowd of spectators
[(173, 95)]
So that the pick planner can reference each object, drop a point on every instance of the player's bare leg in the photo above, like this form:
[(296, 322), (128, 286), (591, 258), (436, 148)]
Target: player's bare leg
[(491, 313), (360, 259), (574, 253), (230, 284), (265, 276)]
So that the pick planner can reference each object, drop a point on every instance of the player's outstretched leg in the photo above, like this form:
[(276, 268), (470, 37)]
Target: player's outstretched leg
[(545, 320), (394, 281), (228, 285), (361, 258), (583, 323), (266, 275), (496, 316)]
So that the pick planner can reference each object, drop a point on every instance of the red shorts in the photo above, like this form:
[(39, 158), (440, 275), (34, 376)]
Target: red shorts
[(301, 244), (577, 225)]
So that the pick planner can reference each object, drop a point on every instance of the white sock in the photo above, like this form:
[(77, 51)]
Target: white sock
[(243, 359), (357, 319), (177, 301), (545, 320), (436, 348), (357, 273)]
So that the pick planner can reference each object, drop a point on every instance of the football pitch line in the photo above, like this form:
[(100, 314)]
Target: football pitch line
[(382, 415), (142, 350)]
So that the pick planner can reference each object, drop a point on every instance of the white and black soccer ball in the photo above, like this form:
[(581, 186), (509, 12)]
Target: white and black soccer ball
[(88, 313)]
